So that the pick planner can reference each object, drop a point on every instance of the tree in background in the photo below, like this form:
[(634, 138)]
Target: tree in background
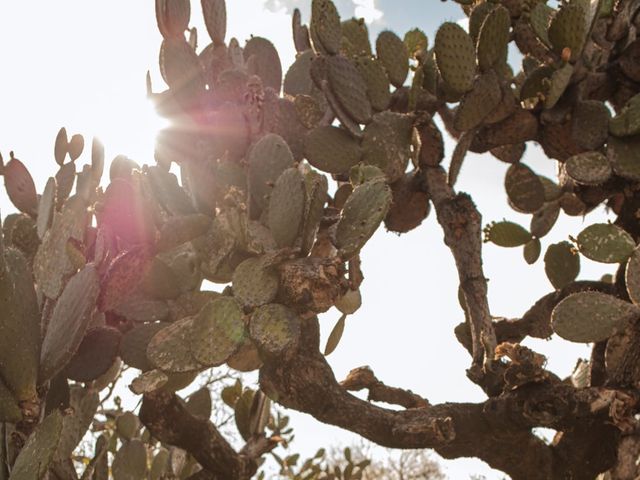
[(282, 181)]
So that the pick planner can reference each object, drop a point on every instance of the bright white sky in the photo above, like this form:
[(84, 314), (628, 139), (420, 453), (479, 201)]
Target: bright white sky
[(82, 64)]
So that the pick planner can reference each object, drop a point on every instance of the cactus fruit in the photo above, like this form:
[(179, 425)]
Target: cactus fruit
[(591, 316), (362, 214), (393, 54), (455, 57), (605, 243), (589, 168), (524, 188), (561, 264), (285, 215), (217, 331), (332, 149), (275, 329)]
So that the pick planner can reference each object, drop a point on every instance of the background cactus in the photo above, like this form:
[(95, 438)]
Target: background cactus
[(270, 184)]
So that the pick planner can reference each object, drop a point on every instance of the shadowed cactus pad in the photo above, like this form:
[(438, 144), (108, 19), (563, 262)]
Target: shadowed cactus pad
[(363, 212), (217, 331), (133, 347), (623, 155), (393, 54), (275, 329), (332, 149), (591, 316), (605, 243), (169, 349), (627, 122), (36, 455), (632, 277), (569, 28), (325, 25), (561, 264), (589, 168), (493, 39), (524, 188), (455, 56), (130, 461), (349, 88)]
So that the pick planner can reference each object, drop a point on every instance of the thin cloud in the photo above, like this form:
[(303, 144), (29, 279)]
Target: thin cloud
[(367, 10)]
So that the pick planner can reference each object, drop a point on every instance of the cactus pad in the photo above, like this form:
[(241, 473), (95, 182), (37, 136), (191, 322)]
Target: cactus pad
[(325, 25), (623, 154), (569, 28), (544, 219), (524, 188), (285, 215), (561, 264), (590, 124), (377, 82), (332, 149), (605, 243), (268, 158), (133, 347), (169, 349), (506, 234), (215, 19), (20, 187), (130, 461), (217, 331), (9, 409), (455, 57), (275, 329), (349, 88), (627, 122), (95, 355), (386, 143), (263, 60), (247, 358), (254, 283), (355, 38), (493, 39), (632, 277), (393, 54), (36, 455), (591, 316), (478, 103), (589, 168), (363, 212)]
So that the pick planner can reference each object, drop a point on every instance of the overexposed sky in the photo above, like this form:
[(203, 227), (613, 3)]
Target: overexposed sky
[(82, 64)]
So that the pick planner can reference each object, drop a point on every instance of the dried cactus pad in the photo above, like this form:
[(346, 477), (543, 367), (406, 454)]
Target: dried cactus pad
[(254, 283), (591, 316), (363, 212), (605, 243), (217, 331), (455, 57), (286, 207), (275, 329), (169, 349), (332, 149)]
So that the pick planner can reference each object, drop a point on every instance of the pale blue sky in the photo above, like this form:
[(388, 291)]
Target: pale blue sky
[(82, 64)]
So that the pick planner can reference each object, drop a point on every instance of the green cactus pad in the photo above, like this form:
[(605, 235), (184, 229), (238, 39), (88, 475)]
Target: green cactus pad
[(590, 124), (36, 455), (215, 19), (254, 283), (539, 19), (83, 403), (52, 264), (558, 84), (605, 243), (182, 229), (632, 277), (160, 465), (535, 86), (477, 17), (268, 158), (309, 110), (325, 26), (275, 329), (627, 122), (20, 187), (478, 103), (623, 154), (416, 42), (9, 409), (125, 273), (455, 57), (393, 54), (377, 82), (544, 219), (317, 190), (569, 28), (95, 355), (285, 215), (332, 149), (493, 39), (363, 212), (349, 88), (524, 188), (127, 425), (133, 347), (45, 207), (588, 317), (531, 251), (297, 80), (263, 60), (69, 321), (561, 264), (217, 331), (137, 308), (65, 178), (506, 234), (355, 38), (130, 461), (386, 143), (169, 349), (589, 168), (199, 403)]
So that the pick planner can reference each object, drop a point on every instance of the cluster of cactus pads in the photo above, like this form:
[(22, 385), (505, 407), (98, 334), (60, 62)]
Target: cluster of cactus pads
[(282, 181)]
